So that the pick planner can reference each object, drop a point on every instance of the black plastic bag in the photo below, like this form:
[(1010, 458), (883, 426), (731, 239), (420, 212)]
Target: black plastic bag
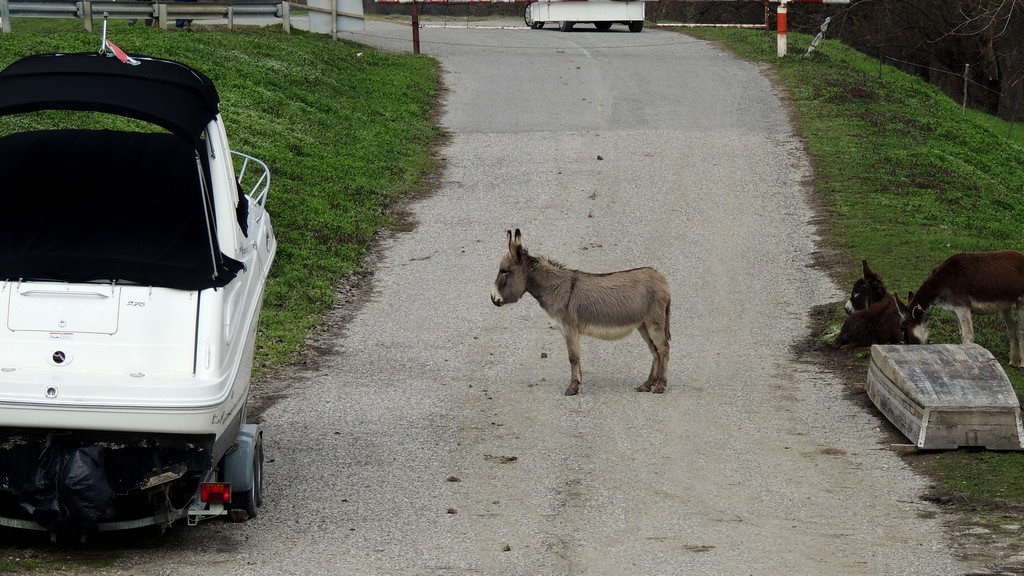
[(69, 493), (84, 491)]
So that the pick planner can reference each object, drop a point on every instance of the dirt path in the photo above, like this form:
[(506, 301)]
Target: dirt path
[(429, 434)]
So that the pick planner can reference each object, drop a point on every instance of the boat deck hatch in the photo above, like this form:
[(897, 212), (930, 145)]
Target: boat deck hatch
[(61, 307)]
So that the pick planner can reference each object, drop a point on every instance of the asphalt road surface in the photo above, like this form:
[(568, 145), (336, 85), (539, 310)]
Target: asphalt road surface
[(430, 434)]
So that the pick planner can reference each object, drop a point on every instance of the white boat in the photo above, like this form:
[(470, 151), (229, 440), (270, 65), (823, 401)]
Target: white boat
[(132, 272)]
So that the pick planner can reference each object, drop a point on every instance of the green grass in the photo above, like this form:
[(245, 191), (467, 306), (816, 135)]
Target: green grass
[(1013, 131), (906, 181), (345, 129)]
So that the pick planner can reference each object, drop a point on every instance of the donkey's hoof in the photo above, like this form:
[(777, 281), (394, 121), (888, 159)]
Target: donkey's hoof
[(658, 389), (643, 388), (571, 392)]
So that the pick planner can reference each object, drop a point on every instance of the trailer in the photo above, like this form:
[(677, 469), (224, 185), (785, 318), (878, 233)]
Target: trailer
[(136, 250), (601, 13)]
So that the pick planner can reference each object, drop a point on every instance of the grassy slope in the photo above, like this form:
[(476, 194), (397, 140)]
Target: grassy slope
[(345, 130), (906, 181)]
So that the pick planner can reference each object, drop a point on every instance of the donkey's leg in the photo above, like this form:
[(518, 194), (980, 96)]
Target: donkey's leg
[(572, 343), (652, 377), (963, 314), (657, 340), (1020, 335), (659, 334), (1013, 333)]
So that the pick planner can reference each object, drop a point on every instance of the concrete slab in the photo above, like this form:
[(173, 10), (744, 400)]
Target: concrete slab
[(946, 396)]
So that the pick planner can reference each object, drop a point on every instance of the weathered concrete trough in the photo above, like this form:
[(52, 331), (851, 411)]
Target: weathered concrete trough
[(946, 396)]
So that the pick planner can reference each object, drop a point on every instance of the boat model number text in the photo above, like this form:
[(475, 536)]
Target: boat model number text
[(135, 304)]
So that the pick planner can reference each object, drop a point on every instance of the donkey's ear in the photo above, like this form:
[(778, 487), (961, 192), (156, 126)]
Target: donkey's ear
[(865, 269), (515, 244), (900, 307)]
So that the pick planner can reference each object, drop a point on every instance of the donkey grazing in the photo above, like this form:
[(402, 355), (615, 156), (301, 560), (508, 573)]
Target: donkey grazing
[(978, 282), (873, 314), (607, 306)]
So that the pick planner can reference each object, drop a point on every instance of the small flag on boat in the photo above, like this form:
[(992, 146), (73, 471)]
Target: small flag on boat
[(120, 55)]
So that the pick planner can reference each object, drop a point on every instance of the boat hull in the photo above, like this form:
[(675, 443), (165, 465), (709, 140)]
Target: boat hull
[(131, 285)]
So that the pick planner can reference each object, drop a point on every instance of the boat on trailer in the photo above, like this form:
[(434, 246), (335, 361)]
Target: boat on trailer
[(133, 261)]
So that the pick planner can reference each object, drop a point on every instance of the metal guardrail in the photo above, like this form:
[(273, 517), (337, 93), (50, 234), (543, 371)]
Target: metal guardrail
[(160, 12)]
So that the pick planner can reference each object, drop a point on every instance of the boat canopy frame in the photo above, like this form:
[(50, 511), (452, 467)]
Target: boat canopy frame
[(110, 205)]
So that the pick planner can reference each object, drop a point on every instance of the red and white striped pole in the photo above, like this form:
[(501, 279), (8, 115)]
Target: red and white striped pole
[(782, 43)]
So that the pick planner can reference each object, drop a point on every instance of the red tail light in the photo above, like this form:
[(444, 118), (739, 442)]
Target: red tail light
[(215, 492)]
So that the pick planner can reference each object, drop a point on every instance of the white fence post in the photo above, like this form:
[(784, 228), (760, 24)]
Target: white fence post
[(5, 16), (86, 8)]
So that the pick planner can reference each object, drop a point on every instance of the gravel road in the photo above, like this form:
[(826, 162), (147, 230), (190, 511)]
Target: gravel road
[(429, 435)]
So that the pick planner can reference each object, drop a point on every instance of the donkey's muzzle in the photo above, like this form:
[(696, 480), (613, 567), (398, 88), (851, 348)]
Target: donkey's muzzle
[(496, 301)]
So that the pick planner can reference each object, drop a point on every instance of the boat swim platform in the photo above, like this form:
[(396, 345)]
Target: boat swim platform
[(946, 396)]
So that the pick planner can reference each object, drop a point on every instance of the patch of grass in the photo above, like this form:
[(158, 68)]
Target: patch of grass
[(16, 565), (1013, 131), (1004, 479), (906, 181), (345, 129), (49, 26)]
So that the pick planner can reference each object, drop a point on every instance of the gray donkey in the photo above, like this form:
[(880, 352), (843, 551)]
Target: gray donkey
[(607, 306)]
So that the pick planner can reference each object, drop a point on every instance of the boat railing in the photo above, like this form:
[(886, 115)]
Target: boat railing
[(256, 182)]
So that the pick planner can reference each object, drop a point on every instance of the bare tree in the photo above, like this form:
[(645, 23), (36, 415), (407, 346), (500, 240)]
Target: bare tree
[(939, 40)]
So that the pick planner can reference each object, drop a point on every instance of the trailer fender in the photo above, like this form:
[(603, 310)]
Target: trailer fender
[(238, 463)]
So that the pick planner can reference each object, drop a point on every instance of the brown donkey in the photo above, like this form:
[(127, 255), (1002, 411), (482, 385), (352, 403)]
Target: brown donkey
[(873, 315), (978, 282), (607, 306)]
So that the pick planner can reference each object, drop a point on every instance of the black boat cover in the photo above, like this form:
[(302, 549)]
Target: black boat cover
[(104, 205), (162, 92)]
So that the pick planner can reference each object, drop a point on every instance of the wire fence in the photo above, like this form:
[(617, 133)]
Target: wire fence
[(967, 89), (967, 83), (915, 45)]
